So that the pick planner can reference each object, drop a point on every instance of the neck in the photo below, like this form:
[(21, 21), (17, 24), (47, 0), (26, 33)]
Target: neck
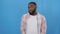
[(35, 13)]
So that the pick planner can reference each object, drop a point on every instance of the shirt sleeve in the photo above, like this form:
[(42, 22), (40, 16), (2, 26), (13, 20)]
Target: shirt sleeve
[(43, 26), (22, 25)]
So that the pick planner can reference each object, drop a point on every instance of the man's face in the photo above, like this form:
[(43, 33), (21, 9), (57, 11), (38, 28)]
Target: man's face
[(31, 8)]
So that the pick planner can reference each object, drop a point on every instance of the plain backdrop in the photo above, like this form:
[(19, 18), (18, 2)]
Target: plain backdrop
[(11, 12)]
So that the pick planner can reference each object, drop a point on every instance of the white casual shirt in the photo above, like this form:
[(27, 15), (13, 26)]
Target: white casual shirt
[(32, 25)]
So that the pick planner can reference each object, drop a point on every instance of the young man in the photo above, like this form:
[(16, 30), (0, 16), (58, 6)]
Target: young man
[(33, 22)]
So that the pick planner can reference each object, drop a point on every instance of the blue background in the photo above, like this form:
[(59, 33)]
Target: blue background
[(11, 12)]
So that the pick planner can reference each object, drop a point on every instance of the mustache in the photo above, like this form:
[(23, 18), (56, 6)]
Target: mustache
[(32, 12)]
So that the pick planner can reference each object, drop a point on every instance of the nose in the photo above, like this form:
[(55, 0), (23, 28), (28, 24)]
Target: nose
[(30, 8)]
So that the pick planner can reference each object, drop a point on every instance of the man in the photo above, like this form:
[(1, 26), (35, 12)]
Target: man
[(33, 22)]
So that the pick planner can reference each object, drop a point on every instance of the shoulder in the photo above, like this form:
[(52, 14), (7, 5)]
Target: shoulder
[(23, 16), (42, 16)]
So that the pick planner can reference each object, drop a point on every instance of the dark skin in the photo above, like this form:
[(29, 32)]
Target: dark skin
[(32, 9)]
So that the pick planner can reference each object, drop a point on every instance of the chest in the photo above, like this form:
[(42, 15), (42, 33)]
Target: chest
[(32, 22)]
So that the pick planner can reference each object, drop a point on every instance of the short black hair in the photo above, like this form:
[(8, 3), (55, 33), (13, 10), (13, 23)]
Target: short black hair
[(32, 3)]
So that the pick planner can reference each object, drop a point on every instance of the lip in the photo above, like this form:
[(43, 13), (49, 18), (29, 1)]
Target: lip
[(30, 11)]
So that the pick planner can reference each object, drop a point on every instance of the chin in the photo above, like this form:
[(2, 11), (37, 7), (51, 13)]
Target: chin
[(30, 11)]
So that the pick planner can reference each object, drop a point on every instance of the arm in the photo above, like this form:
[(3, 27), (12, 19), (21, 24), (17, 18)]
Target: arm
[(22, 26), (43, 26)]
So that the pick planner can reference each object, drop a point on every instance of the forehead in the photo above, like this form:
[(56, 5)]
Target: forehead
[(31, 5)]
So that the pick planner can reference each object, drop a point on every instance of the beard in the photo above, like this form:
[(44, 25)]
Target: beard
[(32, 12)]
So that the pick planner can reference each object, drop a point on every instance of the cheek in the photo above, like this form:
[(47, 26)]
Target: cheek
[(31, 9)]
